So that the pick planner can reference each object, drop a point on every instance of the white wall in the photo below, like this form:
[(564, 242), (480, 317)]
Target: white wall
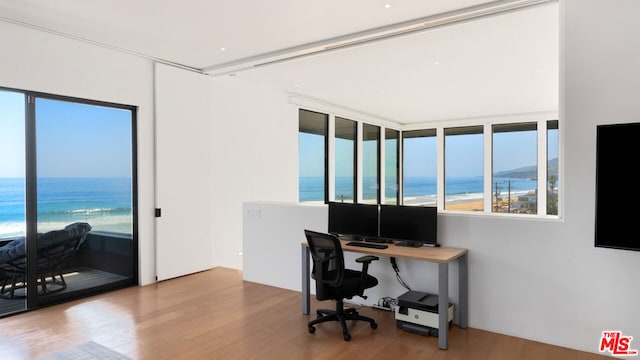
[(602, 83), (38, 61), (273, 233), (255, 157), (538, 279)]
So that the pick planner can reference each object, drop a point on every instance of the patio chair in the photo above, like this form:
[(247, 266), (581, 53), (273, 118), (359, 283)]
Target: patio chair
[(54, 248)]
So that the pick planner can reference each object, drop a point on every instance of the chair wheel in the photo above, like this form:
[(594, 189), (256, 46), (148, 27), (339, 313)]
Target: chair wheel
[(374, 325), (312, 329), (347, 337)]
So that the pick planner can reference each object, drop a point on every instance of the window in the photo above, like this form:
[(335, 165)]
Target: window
[(345, 160), (552, 167), (312, 161), (391, 169), (463, 176), (89, 178), (496, 170), (419, 167), (71, 161), (515, 168), (370, 164)]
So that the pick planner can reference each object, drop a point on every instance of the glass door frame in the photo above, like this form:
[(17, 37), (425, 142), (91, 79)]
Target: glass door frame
[(31, 190)]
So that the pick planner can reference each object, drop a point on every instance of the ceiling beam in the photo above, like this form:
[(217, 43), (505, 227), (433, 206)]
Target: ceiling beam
[(376, 34)]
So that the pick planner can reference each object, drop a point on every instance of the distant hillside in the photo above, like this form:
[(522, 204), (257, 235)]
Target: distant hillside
[(529, 172)]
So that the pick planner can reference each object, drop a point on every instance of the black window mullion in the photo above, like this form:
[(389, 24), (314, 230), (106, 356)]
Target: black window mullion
[(326, 161), (379, 164), (31, 206), (355, 162)]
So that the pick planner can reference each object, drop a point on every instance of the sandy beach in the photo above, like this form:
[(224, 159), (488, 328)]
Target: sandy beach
[(466, 205)]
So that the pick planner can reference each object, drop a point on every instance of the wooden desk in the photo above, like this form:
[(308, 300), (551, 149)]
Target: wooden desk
[(441, 255)]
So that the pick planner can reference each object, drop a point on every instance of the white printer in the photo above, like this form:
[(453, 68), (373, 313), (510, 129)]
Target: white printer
[(418, 312)]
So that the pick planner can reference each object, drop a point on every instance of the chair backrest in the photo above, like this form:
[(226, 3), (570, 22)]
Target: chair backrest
[(54, 247), (328, 261)]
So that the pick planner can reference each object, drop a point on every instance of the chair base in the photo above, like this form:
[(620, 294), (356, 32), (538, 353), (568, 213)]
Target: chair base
[(341, 315), (14, 285)]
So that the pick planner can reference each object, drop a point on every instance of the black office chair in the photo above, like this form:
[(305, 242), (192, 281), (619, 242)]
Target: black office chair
[(334, 282)]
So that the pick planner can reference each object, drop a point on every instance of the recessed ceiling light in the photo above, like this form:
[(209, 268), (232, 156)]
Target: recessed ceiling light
[(223, 49), (436, 63), (386, 6)]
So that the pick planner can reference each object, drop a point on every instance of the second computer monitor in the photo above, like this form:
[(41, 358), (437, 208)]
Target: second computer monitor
[(412, 223), (353, 219)]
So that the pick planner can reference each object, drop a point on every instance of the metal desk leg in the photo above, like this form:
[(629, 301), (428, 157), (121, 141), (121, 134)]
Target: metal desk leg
[(463, 286), (443, 305), (306, 275)]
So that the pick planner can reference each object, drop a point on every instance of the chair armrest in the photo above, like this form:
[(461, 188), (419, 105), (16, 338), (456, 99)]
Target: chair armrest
[(367, 259)]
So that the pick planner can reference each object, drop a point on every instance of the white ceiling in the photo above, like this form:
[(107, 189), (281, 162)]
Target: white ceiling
[(500, 65)]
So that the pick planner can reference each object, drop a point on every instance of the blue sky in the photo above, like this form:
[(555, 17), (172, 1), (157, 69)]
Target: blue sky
[(73, 140), (12, 134)]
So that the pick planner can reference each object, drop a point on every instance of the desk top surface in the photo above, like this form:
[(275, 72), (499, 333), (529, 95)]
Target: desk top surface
[(432, 254)]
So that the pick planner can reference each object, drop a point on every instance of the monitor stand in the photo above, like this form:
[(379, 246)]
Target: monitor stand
[(376, 240), (352, 237), (409, 243)]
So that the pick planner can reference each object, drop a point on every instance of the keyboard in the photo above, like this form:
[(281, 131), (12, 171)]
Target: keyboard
[(367, 245)]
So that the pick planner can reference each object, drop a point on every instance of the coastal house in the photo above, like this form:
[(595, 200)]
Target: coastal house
[(217, 146)]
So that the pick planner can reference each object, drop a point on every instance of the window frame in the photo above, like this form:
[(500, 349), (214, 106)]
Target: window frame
[(461, 131), (378, 161), (441, 129), (326, 152), (411, 134), (398, 158), (355, 156), (31, 193), (504, 129)]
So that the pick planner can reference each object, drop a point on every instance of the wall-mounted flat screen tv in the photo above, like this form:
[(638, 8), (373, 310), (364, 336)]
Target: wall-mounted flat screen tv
[(354, 220), (617, 159)]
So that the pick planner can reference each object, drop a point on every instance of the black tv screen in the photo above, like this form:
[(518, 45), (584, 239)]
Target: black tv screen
[(413, 223), (617, 156), (353, 219)]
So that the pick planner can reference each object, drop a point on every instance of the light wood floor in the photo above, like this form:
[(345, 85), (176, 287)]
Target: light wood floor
[(215, 315)]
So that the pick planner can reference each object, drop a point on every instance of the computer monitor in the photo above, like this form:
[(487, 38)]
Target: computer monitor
[(409, 223), (355, 220)]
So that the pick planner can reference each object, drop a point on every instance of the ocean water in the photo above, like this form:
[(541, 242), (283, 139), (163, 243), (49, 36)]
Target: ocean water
[(105, 203), (418, 190)]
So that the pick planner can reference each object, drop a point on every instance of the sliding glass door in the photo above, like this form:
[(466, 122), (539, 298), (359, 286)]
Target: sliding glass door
[(12, 199), (78, 205), (85, 186)]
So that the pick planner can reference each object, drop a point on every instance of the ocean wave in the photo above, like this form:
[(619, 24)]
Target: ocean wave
[(425, 200), (98, 210), (464, 197), (114, 223), (12, 229), (90, 211)]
